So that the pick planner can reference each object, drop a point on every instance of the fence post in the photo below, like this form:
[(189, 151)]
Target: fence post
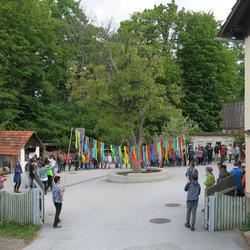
[(35, 203), (211, 211)]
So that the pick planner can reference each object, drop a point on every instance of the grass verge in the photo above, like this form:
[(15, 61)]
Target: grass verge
[(26, 232), (246, 226)]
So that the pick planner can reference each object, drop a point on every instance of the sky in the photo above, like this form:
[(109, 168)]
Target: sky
[(102, 11)]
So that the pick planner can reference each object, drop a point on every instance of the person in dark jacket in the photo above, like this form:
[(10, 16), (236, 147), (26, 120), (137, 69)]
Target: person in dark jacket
[(193, 190), (223, 173), (17, 177)]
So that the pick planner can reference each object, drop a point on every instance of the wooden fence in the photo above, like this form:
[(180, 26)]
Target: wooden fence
[(224, 212), (21, 208)]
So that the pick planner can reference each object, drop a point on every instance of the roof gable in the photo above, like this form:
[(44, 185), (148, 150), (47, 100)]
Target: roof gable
[(11, 142), (238, 22)]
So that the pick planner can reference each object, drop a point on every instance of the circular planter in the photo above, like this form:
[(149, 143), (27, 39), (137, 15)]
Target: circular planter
[(128, 176)]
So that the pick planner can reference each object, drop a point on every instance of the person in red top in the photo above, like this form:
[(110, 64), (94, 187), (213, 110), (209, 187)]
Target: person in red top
[(223, 153)]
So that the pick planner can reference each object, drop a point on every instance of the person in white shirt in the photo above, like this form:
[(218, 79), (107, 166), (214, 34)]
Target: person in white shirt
[(230, 152)]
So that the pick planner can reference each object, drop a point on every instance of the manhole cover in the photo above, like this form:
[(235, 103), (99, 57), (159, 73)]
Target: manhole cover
[(173, 205), (160, 220)]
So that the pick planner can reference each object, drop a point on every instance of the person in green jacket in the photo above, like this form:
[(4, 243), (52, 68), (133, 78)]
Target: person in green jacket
[(49, 173), (210, 180)]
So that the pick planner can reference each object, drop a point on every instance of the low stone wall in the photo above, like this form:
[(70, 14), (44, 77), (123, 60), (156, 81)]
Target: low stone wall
[(127, 176)]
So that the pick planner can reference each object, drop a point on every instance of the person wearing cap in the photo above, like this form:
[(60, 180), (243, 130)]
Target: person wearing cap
[(57, 195), (210, 180)]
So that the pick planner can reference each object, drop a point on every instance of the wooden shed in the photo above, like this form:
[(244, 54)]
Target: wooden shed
[(18, 145)]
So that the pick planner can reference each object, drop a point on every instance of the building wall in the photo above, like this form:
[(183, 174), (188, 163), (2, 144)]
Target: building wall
[(203, 140), (247, 110)]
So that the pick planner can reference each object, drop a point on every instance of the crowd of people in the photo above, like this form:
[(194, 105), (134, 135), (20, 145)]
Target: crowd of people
[(193, 188), (206, 155), (47, 169)]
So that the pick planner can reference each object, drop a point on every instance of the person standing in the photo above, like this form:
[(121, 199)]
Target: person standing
[(109, 159), (230, 152), (223, 153), (57, 196), (236, 153), (191, 155), (199, 155), (216, 152), (243, 152), (44, 176), (32, 172), (237, 173), (209, 153), (70, 159), (17, 177), (223, 173), (2, 180), (193, 190), (59, 162), (191, 170), (50, 174), (184, 153), (204, 158), (210, 180)]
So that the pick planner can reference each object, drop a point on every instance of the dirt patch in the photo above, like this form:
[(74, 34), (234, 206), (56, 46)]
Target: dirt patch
[(11, 244)]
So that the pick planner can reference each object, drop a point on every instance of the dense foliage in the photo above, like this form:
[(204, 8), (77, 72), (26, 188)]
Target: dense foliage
[(57, 71)]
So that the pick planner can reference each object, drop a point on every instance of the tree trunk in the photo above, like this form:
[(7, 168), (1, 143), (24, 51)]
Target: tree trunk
[(138, 140)]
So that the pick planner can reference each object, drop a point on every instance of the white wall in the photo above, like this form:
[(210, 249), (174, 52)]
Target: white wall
[(22, 158), (247, 110), (203, 140)]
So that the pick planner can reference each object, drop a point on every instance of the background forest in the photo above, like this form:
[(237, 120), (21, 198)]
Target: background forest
[(162, 71)]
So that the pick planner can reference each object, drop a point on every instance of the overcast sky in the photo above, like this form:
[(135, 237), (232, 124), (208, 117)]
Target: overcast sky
[(103, 10)]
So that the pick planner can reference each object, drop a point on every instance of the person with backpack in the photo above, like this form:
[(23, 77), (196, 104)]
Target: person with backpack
[(193, 190)]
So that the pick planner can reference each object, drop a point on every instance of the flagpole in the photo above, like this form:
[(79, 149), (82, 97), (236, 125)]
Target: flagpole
[(67, 163)]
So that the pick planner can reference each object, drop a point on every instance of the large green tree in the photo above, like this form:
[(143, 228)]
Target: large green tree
[(210, 76)]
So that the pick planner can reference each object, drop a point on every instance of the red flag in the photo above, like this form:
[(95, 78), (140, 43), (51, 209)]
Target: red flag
[(134, 159), (141, 156)]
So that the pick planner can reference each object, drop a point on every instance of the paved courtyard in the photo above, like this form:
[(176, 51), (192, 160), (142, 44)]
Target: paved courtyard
[(101, 215)]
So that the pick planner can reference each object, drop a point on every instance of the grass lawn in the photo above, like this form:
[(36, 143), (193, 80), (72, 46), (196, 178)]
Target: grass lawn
[(25, 232)]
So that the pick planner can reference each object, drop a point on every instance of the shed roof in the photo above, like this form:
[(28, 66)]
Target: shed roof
[(11, 142), (238, 22)]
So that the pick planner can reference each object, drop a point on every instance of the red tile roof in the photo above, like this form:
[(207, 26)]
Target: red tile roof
[(11, 142)]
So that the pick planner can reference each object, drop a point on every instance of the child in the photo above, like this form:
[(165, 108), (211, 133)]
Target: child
[(2, 180), (193, 188)]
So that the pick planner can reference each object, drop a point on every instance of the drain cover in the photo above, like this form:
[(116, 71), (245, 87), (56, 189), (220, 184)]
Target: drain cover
[(72, 172), (173, 205), (160, 220)]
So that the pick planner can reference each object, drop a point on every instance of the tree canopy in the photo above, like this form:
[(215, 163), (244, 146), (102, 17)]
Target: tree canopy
[(162, 68)]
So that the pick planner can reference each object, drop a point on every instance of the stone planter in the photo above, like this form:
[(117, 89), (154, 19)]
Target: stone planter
[(128, 176)]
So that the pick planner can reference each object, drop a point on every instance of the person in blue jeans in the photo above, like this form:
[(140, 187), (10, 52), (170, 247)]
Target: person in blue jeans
[(57, 196), (193, 190)]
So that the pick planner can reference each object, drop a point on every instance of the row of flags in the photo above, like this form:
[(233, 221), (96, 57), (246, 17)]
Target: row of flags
[(156, 152)]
